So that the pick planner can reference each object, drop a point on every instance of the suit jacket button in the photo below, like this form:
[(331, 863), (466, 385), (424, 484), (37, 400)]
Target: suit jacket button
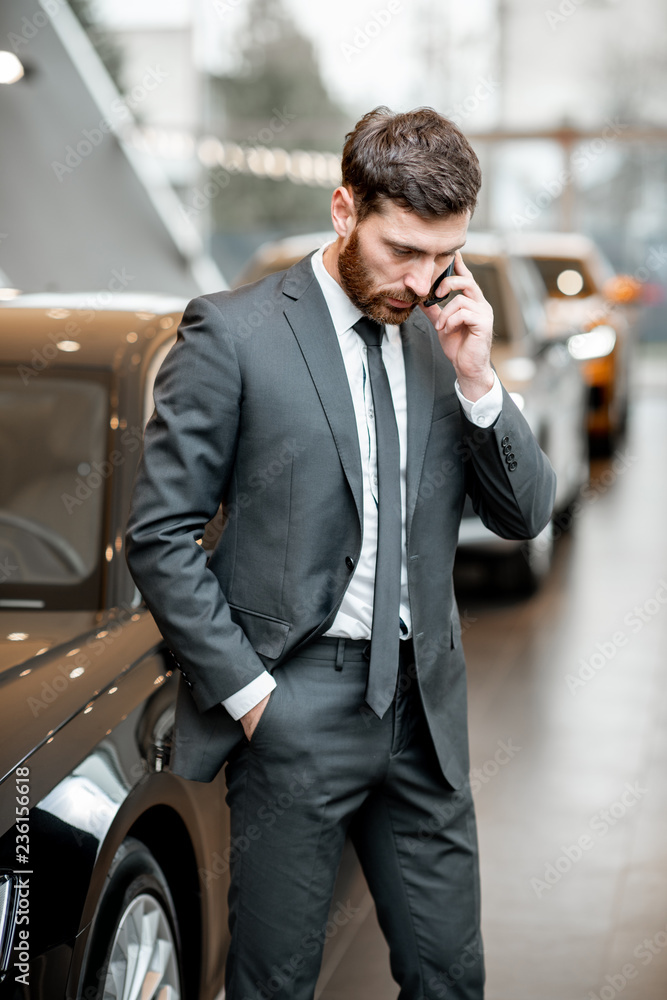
[(512, 466), (509, 458), (505, 441), (349, 562)]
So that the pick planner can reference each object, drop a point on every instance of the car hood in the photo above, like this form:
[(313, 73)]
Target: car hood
[(568, 316), (26, 634), (54, 663), (515, 368)]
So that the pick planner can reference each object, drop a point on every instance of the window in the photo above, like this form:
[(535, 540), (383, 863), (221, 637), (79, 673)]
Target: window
[(55, 468)]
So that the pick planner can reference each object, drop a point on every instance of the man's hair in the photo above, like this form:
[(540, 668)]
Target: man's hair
[(418, 159)]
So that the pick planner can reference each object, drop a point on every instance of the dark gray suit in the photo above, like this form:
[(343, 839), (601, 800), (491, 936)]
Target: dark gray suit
[(253, 408)]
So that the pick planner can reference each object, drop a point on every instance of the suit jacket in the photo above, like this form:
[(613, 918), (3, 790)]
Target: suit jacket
[(253, 409)]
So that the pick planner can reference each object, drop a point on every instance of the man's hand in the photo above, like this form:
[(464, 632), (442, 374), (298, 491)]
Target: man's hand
[(465, 329), (250, 719)]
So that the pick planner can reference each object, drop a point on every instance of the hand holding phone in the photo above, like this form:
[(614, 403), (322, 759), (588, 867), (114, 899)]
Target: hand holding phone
[(434, 299)]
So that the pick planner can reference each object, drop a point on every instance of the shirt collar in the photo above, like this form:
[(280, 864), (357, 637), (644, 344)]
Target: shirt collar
[(344, 314)]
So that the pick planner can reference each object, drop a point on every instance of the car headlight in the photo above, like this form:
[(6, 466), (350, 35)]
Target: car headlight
[(519, 369), (8, 907), (597, 343)]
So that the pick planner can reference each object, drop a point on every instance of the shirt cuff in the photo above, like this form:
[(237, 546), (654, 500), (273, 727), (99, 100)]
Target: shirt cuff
[(242, 701), (487, 408)]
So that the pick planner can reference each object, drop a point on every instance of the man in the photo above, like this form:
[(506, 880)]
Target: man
[(341, 423)]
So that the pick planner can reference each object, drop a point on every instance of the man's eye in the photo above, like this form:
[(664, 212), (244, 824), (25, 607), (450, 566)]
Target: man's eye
[(401, 253)]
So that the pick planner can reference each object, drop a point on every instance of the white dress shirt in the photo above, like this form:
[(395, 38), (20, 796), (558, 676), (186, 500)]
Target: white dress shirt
[(355, 615)]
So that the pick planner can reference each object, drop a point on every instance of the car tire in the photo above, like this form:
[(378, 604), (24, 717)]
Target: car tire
[(135, 921)]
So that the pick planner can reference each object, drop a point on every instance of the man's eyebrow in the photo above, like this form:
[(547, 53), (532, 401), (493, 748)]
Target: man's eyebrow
[(408, 246)]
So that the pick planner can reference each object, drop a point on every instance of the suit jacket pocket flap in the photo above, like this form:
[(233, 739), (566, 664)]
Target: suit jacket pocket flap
[(266, 635)]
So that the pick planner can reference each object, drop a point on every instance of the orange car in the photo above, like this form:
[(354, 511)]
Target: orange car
[(588, 304)]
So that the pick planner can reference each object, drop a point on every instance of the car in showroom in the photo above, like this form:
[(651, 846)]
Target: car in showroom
[(113, 870), (594, 310), (540, 374)]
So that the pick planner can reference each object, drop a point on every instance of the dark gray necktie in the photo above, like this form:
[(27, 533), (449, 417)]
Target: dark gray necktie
[(383, 668)]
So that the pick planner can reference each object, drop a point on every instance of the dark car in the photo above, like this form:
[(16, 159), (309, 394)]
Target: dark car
[(100, 849), (111, 868)]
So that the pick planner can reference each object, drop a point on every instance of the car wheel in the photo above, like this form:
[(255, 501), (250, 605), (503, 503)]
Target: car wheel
[(524, 570), (135, 948)]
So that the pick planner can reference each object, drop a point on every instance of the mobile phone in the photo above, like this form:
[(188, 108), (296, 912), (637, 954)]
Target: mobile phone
[(434, 299)]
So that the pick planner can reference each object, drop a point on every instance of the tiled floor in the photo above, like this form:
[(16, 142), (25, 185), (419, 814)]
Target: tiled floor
[(573, 827)]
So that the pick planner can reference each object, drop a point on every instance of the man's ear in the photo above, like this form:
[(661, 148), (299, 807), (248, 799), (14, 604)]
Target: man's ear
[(343, 212)]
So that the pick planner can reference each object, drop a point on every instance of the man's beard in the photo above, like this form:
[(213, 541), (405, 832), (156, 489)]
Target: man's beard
[(356, 281)]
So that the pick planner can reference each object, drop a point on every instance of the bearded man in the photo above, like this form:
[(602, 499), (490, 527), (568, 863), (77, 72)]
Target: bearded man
[(320, 643)]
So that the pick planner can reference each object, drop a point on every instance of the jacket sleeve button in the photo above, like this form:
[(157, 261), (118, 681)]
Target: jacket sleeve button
[(512, 466), (505, 441), (349, 562)]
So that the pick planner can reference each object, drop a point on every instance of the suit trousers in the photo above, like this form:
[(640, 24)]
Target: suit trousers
[(319, 766)]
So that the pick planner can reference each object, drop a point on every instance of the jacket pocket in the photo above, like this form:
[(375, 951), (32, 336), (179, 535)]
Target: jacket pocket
[(266, 635)]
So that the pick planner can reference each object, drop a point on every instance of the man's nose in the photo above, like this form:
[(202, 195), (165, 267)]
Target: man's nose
[(420, 277)]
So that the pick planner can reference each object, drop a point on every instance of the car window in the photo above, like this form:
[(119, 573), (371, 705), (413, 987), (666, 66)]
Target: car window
[(53, 444), (565, 277), (486, 275), (531, 293)]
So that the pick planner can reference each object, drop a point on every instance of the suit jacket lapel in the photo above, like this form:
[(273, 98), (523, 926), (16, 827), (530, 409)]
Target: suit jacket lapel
[(311, 324), (418, 347)]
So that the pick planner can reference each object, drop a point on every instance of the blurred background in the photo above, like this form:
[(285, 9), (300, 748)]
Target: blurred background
[(173, 146), (243, 106)]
